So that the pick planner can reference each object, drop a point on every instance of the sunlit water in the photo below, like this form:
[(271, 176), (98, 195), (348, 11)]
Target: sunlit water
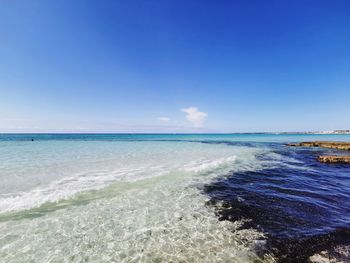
[(164, 198)]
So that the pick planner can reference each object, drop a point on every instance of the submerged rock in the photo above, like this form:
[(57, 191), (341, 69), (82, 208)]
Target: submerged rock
[(324, 144), (334, 159), (333, 255)]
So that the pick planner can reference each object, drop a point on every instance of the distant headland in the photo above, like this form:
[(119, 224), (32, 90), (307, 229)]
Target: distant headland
[(299, 132), (317, 132)]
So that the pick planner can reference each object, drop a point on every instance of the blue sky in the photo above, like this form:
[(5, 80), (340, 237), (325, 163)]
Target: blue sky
[(174, 66)]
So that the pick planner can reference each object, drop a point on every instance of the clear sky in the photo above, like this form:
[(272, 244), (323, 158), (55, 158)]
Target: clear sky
[(174, 66)]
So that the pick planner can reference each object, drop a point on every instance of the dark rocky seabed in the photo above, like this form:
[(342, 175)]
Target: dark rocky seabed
[(302, 207)]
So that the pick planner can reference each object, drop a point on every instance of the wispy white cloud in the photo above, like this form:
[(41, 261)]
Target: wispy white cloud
[(196, 117), (163, 119)]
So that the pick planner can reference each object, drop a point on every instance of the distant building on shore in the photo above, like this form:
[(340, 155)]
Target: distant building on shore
[(331, 132), (337, 132), (341, 131)]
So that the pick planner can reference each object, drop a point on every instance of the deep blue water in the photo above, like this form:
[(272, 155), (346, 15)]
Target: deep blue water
[(303, 207)]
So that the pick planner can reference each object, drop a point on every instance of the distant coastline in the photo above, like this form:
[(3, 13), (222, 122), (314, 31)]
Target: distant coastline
[(300, 132), (317, 132)]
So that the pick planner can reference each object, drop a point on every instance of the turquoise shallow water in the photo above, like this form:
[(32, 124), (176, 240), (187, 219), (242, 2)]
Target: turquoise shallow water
[(198, 137), (132, 197)]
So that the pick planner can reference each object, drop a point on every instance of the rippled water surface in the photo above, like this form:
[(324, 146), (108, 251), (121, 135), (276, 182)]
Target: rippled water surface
[(161, 198)]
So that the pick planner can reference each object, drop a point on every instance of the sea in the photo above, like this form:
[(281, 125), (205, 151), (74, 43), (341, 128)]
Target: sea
[(171, 198)]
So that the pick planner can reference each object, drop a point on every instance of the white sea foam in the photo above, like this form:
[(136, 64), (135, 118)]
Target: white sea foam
[(69, 186), (208, 164), (133, 164)]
